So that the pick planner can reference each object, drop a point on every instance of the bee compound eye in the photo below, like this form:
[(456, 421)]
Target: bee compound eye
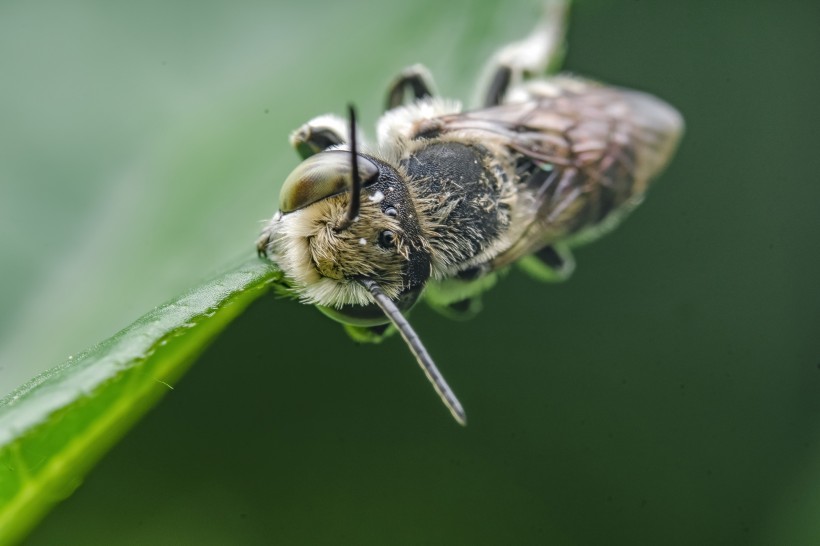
[(321, 176), (387, 238)]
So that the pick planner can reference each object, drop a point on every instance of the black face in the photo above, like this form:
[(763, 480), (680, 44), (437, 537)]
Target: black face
[(398, 204)]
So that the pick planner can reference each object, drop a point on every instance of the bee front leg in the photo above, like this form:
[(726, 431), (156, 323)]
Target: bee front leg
[(369, 334), (550, 264), (415, 79), (319, 134), (461, 310), (262, 244), (539, 53)]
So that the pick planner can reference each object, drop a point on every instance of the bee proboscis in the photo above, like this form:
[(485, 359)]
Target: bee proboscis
[(448, 198)]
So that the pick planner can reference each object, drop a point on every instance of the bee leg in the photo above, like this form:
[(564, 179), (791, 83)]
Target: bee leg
[(262, 244), (498, 86), (461, 310), (369, 334), (550, 264), (415, 79), (539, 53), (319, 134)]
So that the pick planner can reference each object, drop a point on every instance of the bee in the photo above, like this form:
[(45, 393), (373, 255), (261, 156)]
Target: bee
[(448, 199)]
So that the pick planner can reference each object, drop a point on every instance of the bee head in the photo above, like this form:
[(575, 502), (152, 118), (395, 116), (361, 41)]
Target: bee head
[(337, 227), (349, 237)]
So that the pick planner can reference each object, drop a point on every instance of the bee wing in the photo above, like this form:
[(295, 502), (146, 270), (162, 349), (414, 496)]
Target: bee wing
[(584, 154)]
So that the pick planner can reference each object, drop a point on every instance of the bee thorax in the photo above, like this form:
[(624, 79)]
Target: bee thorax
[(466, 199)]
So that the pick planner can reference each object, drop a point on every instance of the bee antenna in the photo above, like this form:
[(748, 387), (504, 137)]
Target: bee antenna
[(417, 348), (355, 180)]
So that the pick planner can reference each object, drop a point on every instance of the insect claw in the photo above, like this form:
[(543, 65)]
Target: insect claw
[(262, 246)]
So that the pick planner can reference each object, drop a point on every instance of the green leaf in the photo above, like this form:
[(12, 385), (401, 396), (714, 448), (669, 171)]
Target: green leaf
[(56, 426)]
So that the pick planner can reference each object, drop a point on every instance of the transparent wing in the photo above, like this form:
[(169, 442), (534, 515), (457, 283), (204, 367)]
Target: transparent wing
[(584, 154)]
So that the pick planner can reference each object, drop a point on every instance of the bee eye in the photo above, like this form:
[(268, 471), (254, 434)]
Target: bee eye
[(321, 176), (391, 212), (387, 238)]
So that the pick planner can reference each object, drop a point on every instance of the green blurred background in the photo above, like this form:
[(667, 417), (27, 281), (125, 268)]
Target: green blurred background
[(668, 394)]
